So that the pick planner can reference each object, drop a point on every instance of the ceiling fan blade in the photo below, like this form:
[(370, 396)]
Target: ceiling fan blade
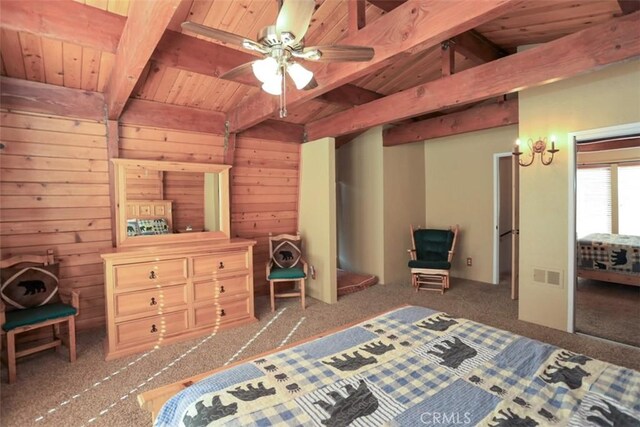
[(233, 73), (223, 36), (339, 53), (294, 18)]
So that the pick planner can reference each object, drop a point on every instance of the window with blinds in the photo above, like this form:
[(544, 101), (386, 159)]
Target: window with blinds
[(593, 201), (629, 200)]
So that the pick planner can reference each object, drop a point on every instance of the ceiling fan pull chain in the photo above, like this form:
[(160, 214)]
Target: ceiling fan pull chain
[(283, 94)]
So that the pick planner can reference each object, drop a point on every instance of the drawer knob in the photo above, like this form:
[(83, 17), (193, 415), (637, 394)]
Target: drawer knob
[(153, 328), (222, 313), (221, 289), (153, 301), (221, 266), (152, 274)]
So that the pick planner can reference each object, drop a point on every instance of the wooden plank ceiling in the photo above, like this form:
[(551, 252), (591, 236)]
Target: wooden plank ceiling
[(33, 57)]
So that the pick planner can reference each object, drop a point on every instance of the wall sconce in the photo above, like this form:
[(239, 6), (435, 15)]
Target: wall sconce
[(537, 147)]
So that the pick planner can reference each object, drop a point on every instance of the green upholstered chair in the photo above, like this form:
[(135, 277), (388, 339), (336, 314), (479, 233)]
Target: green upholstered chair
[(431, 257), (18, 320), (286, 265)]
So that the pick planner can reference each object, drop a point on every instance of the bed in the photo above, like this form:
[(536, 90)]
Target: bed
[(409, 366), (610, 258)]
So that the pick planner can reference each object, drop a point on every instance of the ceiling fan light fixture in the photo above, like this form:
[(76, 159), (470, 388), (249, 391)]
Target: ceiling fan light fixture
[(266, 69), (273, 86), (300, 75)]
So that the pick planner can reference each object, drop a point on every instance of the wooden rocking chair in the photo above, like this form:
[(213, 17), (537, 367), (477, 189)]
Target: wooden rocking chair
[(431, 257)]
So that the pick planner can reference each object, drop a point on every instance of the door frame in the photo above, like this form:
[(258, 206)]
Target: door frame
[(573, 138), (496, 214)]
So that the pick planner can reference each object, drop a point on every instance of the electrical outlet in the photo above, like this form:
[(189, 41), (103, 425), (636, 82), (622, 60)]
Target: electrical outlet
[(469, 262)]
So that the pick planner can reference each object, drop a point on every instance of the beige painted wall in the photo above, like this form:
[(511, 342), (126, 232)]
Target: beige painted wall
[(607, 97), (404, 204), (317, 216), (359, 166), (459, 190)]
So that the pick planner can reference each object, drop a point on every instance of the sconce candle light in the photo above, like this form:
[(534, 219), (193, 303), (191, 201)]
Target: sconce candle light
[(537, 147)]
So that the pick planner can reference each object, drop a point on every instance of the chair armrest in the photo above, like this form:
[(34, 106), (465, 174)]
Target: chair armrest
[(412, 254), (450, 257), (305, 266), (73, 298)]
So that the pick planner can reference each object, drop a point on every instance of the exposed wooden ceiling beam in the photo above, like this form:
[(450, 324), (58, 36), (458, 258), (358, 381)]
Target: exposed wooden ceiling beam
[(25, 95), (57, 19), (412, 26), (350, 95), (476, 118), (471, 44), (69, 21), (577, 53), (629, 6), (387, 5), (356, 10), (448, 58), (157, 114), (275, 131), (145, 25), (477, 48)]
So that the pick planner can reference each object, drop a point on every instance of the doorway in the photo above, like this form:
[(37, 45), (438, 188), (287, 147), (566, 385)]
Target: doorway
[(505, 246), (605, 234)]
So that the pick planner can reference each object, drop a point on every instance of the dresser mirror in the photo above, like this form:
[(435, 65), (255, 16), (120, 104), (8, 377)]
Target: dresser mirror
[(164, 202)]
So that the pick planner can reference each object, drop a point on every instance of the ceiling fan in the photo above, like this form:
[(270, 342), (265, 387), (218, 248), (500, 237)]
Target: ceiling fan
[(281, 44)]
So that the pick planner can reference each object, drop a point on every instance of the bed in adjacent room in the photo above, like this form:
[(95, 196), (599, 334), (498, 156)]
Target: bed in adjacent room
[(405, 367), (610, 258)]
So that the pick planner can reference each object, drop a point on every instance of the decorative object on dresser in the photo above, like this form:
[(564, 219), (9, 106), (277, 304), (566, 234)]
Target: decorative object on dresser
[(286, 265), (31, 300), (431, 255), (169, 286)]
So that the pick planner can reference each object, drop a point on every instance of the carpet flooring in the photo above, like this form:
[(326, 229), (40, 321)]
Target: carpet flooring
[(608, 310), (96, 397)]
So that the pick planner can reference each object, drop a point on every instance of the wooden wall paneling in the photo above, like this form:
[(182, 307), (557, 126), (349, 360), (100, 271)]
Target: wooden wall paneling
[(12, 53), (58, 199), (32, 56), (186, 190), (91, 59), (52, 58), (72, 63), (264, 187)]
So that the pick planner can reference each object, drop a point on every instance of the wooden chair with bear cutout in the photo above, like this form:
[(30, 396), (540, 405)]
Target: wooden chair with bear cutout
[(30, 299)]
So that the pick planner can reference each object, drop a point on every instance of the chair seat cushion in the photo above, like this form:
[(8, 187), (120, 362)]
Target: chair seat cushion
[(436, 265), (286, 273), (31, 316)]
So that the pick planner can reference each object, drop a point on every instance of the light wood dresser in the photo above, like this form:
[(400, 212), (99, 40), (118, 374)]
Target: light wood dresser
[(162, 294)]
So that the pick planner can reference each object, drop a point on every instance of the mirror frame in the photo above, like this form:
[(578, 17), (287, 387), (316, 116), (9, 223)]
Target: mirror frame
[(120, 192)]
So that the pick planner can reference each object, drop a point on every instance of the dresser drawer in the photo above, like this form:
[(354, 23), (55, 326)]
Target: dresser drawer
[(150, 273), (151, 328), (228, 311), (229, 286), (150, 301), (205, 266)]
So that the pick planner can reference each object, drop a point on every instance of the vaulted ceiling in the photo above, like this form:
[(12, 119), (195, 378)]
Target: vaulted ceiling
[(182, 70)]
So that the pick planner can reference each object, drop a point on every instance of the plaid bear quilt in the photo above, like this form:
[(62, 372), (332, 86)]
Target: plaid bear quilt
[(414, 366), (610, 252)]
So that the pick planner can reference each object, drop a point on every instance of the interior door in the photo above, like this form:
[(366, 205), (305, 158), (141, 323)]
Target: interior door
[(515, 221)]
